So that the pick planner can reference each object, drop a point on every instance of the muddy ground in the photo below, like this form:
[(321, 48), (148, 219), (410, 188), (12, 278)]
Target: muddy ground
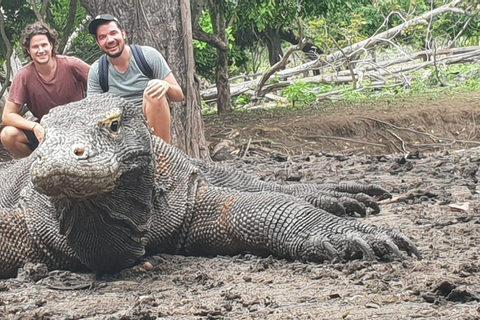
[(422, 150)]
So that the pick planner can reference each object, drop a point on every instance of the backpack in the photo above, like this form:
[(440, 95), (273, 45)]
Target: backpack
[(139, 59)]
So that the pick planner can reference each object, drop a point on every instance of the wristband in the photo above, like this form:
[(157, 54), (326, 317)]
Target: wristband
[(34, 126)]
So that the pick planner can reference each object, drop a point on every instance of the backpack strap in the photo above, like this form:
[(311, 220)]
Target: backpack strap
[(141, 61), (103, 72)]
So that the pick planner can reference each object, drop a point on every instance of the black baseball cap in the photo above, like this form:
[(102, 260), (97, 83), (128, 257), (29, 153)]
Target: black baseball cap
[(100, 19)]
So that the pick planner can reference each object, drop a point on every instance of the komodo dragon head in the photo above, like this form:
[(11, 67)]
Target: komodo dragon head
[(96, 165), (88, 146)]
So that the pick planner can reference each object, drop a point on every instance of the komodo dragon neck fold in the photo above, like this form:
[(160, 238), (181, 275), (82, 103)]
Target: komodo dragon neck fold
[(111, 226)]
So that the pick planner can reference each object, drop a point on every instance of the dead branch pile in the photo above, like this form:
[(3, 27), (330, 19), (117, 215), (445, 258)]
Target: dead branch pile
[(357, 64)]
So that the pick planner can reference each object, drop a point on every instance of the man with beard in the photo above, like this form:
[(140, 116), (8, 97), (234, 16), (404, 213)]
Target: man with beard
[(126, 79), (49, 80)]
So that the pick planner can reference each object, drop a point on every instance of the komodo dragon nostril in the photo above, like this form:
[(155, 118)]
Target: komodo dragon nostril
[(80, 151)]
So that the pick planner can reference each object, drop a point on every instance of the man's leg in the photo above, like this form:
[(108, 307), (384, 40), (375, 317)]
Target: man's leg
[(158, 116), (16, 142)]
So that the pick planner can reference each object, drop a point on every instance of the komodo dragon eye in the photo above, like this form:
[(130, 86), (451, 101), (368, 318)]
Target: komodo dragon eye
[(112, 121), (114, 126)]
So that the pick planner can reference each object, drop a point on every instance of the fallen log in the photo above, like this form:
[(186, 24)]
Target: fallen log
[(364, 69)]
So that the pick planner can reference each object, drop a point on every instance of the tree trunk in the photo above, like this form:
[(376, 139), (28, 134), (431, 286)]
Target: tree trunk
[(67, 30), (166, 26), (217, 13), (273, 41)]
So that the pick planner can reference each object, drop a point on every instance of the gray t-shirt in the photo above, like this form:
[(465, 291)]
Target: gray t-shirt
[(131, 83)]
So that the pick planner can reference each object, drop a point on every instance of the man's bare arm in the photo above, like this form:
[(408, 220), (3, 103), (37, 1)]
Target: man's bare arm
[(175, 92), (157, 88), (11, 117)]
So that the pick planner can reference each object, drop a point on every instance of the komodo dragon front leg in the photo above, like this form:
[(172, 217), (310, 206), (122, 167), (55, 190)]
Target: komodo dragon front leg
[(340, 199), (228, 222), (28, 229)]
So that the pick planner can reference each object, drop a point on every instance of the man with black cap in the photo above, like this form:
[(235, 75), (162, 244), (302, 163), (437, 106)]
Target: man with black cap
[(127, 78)]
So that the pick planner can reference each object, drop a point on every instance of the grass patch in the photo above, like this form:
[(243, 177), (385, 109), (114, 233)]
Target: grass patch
[(428, 83)]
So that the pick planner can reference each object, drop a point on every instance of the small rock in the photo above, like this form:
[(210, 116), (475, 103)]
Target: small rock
[(464, 206), (32, 271), (429, 297), (460, 193)]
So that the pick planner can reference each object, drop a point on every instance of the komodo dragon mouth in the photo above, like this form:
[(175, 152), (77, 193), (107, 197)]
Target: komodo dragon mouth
[(60, 176)]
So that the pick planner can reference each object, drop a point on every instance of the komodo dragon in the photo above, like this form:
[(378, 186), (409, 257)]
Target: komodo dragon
[(102, 192)]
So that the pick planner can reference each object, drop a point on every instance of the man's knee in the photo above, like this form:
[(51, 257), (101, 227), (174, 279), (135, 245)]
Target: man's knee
[(155, 103), (15, 141), (158, 116), (11, 134)]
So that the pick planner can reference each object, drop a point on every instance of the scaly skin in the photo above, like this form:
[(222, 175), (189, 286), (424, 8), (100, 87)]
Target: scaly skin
[(102, 192)]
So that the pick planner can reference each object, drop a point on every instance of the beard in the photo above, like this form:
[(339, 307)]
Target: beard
[(41, 60), (117, 54)]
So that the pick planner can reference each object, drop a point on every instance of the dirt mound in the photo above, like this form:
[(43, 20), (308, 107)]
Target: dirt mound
[(405, 125)]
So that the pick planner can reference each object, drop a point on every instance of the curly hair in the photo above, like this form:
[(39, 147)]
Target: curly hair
[(34, 29)]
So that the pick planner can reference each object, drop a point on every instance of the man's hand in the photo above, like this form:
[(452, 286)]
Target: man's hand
[(39, 131), (157, 88)]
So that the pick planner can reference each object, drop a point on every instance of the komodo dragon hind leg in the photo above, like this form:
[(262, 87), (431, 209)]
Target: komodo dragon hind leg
[(353, 199), (365, 194), (285, 226), (346, 198)]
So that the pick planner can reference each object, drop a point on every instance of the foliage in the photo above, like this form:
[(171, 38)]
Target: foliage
[(349, 22), (208, 108), (458, 77), (346, 23), (57, 17), (84, 45), (248, 21), (206, 56), (300, 94), (267, 13), (17, 14), (241, 100), (329, 24)]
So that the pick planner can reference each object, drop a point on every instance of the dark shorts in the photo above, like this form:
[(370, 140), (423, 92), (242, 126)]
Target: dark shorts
[(32, 139)]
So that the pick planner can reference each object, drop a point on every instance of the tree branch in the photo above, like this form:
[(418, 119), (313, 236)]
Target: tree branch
[(69, 26), (381, 37), (9, 46), (279, 65), (212, 39)]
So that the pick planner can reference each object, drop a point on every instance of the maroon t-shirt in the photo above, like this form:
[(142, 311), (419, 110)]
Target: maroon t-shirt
[(68, 84)]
